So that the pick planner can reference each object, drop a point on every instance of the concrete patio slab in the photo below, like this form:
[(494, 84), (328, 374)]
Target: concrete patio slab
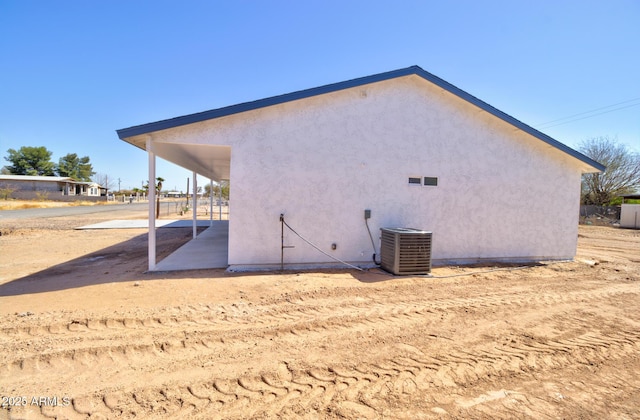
[(210, 249), (144, 223)]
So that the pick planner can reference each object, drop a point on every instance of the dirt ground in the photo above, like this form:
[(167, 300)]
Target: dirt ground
[(86, 333)]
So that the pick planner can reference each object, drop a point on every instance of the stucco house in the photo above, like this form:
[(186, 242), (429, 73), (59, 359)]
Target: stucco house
[(57, 188), (408, 146)]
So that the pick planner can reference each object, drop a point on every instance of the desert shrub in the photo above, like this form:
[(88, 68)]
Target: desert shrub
[(42, 195), (5, 193)]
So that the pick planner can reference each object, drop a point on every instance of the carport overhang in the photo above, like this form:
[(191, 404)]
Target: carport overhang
[(210, 161)]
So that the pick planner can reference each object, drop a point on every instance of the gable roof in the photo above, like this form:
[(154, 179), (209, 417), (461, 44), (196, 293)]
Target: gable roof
[(413, 70)]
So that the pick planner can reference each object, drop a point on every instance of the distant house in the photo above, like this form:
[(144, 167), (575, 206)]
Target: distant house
[(410, 148), (57, 188)]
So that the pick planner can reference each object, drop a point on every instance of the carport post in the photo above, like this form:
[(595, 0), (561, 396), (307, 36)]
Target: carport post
[(195, 204), (210, 202), (220, 200), (152, 202)]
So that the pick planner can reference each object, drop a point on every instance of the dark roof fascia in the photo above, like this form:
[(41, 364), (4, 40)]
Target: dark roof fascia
[(261, 103), (413, 70)]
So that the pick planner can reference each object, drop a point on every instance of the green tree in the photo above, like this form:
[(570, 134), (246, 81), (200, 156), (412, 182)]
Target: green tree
[(621, 176), (216, 189), (75, 167), (30, 160)]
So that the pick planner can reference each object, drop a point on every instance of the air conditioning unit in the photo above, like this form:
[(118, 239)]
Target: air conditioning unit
[(405, 251)]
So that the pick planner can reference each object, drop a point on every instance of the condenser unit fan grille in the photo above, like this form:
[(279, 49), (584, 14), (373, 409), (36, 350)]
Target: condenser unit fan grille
[(405, 251)]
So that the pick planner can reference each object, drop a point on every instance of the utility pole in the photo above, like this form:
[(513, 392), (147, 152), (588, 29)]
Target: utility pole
[(187, 191), (119, 184)]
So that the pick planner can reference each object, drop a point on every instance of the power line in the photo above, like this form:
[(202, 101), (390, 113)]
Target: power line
[(589, 116), (588, 112), (592, 113)]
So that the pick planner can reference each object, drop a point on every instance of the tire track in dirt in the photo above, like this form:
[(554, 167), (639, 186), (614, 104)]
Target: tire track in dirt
[(210, 338), (357, 390), (350, 390), (236, 316), (569, 391)]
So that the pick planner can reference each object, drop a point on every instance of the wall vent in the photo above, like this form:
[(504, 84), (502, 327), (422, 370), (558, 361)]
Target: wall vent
[(431, 181), (405, 251)]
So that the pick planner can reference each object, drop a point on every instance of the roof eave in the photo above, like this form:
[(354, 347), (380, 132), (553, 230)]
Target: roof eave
[(260, 103)]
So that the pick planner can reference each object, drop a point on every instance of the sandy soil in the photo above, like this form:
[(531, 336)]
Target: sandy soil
[(87, 333), (34, 204)]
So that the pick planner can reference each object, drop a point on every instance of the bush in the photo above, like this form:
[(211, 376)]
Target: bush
[(5, 193)]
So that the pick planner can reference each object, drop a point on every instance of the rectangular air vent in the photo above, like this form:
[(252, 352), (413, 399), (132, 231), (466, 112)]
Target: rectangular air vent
[(430, 181), (405, 251)]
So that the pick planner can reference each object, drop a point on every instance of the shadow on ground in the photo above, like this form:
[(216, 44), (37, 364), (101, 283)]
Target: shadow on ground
[(127, 262), (123, 262)]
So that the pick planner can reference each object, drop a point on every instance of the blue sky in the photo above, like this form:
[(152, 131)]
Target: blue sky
[(72, 72)]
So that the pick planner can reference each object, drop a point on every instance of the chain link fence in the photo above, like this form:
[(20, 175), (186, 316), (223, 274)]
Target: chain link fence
[(599, 215), (175, 208)]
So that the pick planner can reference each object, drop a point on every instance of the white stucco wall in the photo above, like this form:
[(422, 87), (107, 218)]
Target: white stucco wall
[(630, 216), (502, 194)]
